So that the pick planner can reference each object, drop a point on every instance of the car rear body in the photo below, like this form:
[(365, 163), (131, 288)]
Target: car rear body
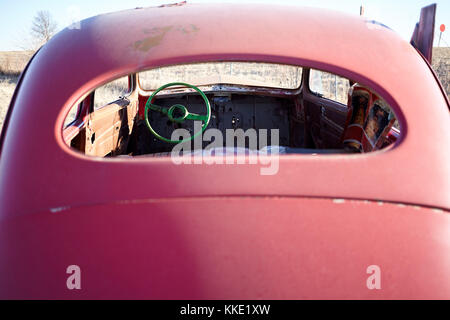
[(146, 228)]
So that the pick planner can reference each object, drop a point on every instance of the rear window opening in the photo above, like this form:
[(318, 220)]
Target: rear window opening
[(238, 73), (230, 107)]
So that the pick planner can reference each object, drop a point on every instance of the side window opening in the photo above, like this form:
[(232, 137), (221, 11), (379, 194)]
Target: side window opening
[(110, 92), (365, 118), (329, 86), (73, 114), (104, 95)]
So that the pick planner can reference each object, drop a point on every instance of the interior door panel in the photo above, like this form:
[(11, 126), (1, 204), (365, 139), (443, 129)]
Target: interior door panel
[(327, 118), (333, 119), (108, 128)]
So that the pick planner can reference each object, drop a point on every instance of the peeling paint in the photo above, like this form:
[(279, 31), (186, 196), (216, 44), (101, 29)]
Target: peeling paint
[(339, 201), (195, 28), (147, 43), (438, 210), (170, 5), (158, 34), (188, 29), (401, 205), (59, 209)]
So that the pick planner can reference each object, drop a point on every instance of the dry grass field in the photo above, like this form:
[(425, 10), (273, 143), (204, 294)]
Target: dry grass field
[(441, 64), (7, 86), (12, 63)]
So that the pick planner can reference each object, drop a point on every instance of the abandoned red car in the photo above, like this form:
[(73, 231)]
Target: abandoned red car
[(227, 152)]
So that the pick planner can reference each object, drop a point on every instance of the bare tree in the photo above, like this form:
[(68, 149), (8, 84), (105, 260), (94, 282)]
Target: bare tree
[(43, 27)]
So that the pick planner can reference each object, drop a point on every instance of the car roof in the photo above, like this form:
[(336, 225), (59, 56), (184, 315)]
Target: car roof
[(77, 60)]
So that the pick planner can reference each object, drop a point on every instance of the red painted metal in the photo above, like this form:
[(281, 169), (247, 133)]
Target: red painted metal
[(228, 248), (150, 229)]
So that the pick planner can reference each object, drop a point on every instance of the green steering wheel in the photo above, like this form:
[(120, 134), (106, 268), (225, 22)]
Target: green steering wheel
[(184, 113)]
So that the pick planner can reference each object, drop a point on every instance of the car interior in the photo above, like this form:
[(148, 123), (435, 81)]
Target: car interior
[(312, 111)]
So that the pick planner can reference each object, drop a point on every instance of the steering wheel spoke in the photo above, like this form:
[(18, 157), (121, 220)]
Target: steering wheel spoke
[(197, 117), (159, 109)]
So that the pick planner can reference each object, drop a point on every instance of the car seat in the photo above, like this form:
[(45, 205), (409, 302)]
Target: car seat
[(369, 120)]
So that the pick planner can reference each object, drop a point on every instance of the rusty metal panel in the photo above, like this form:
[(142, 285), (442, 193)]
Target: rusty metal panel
[(423, 35), (108, 129)]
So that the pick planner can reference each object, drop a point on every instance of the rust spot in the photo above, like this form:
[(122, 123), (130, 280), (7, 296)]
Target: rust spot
[(147, 43), (182, 29), (194, 28), (156, 35)]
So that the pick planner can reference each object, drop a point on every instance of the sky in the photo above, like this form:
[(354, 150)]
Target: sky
[(16, 16)]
